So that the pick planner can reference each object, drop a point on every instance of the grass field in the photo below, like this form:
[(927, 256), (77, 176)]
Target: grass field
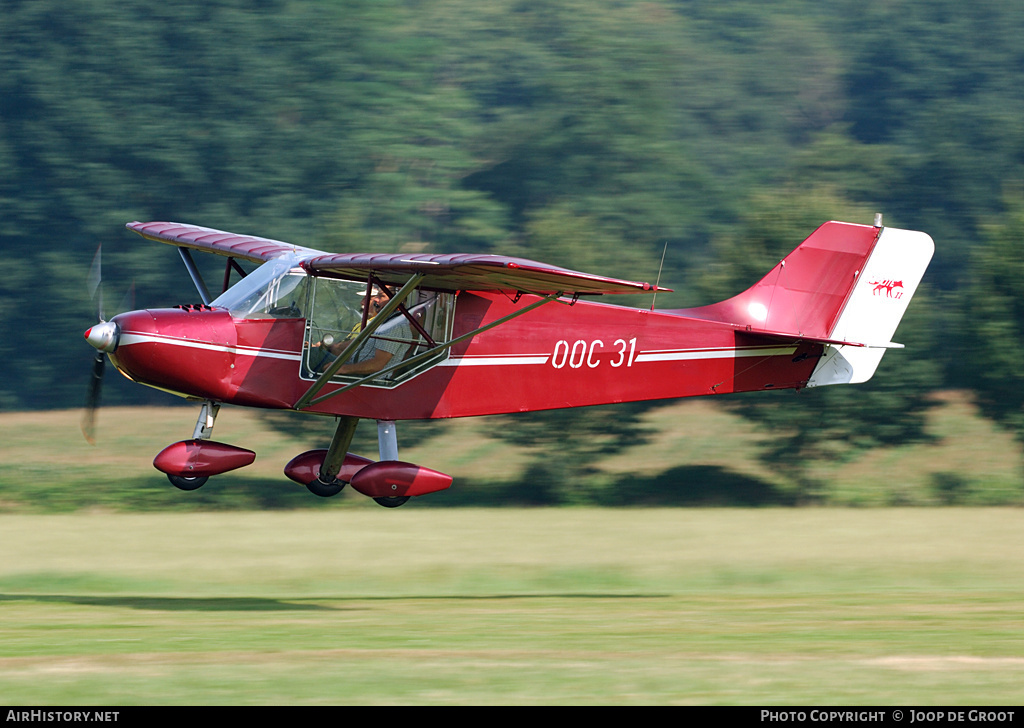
[(514, 606), (117, 589)]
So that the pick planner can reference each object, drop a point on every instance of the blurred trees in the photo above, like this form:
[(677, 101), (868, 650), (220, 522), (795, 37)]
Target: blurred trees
[(993, 318), (830, 424), (938, 81), (568, 446)]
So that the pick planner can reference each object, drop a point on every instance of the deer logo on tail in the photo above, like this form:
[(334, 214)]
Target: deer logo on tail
[(887, 286)]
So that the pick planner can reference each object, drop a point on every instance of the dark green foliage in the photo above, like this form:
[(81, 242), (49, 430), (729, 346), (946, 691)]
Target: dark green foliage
[(568, 445), (836, 422), (993, 318), (939, 81)]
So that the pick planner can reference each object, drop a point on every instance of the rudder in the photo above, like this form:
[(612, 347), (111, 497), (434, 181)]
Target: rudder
[(874, 310)]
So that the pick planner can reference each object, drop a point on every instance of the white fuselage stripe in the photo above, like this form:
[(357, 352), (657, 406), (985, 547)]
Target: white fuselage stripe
[(489, 361), (688, 354), (128, 338)]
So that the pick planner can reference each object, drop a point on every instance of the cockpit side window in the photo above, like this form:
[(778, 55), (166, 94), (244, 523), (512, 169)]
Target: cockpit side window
[(336, 315)]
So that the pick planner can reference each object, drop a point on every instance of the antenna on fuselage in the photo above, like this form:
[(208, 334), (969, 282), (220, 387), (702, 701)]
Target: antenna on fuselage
[(657, 284)]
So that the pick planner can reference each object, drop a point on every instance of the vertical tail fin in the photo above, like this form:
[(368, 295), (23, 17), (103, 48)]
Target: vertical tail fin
[(875, 306), (846, 286)]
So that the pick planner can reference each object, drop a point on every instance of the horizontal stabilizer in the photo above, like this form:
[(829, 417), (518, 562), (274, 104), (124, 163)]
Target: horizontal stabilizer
[(832, 342)]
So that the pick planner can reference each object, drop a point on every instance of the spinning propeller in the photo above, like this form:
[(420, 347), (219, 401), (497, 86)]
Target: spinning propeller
[(103, 336)]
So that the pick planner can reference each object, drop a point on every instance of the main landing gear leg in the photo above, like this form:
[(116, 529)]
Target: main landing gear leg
[(387, 441), (207, 417), (203, 431), (327, 483)]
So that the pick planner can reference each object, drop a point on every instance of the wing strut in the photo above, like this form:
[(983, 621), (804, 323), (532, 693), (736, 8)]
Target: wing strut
[(197, 277), (232, 263), (307, 399)]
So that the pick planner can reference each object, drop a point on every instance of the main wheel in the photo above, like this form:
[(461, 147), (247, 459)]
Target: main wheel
[(185, 483), (392, 501), (324, 490)]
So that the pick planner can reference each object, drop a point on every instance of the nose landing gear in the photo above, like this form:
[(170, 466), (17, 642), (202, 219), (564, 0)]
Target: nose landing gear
[(190, 463)]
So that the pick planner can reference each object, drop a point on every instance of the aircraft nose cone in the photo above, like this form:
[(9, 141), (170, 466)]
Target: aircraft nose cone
[(103, 336)]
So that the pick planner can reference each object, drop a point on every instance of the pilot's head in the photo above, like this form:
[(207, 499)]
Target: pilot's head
[(376, 301)]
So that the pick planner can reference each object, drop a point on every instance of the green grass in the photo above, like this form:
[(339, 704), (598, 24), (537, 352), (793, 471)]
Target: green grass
[(117, 589), (514, 606)]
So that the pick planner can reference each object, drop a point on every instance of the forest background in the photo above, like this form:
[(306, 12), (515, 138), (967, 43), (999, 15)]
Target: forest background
[(580, 133)]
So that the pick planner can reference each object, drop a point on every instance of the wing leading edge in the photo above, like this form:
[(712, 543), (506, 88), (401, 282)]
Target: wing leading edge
[(208, 240), (445, 272), (461, 272)]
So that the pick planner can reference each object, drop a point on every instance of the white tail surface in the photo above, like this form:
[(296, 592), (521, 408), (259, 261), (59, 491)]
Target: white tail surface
[(878, 301)]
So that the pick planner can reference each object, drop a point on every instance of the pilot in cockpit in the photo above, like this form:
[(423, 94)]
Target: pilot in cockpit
[(376, 352)]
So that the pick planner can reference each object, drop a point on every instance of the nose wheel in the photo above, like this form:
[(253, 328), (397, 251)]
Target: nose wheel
[(188, 464), (203, 430)]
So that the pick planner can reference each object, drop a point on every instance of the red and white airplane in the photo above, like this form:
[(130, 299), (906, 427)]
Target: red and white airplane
[(391, 337)]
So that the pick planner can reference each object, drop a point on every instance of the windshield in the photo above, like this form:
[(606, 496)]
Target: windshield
[(277, 289)]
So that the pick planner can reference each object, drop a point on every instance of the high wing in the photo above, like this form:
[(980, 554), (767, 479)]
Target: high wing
[(208, 240), (444, 272), (461, 272)]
